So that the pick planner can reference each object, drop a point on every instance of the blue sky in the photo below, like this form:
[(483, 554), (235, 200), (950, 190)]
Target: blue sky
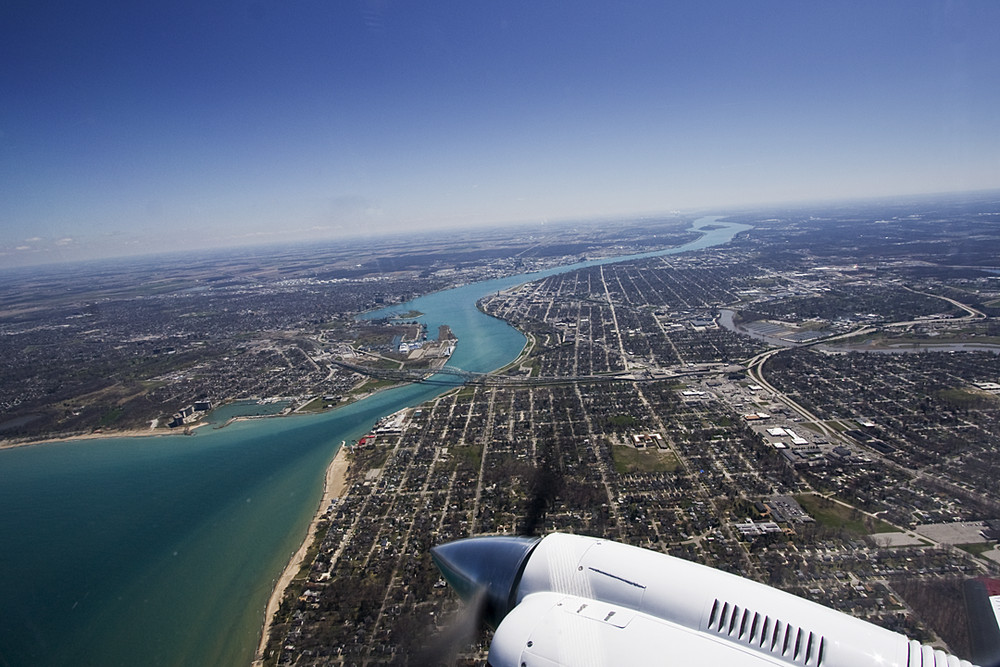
[(136, 127)]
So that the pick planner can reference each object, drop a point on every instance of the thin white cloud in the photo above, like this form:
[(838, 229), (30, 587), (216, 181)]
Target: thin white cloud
[(64, 241)]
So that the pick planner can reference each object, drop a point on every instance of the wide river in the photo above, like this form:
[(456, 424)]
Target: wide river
[(164, 550)]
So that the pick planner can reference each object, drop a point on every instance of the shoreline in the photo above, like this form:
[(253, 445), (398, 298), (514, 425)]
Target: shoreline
[(127, 433), (436, 365), (334, 487)]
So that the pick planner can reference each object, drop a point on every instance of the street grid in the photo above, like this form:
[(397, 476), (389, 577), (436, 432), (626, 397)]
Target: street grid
[(496, 459)]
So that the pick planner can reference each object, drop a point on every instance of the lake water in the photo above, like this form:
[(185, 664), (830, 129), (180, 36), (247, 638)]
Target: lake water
[(164, 550)]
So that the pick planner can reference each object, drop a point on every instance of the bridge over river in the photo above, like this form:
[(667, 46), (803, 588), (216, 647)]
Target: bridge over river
[(426, 376)]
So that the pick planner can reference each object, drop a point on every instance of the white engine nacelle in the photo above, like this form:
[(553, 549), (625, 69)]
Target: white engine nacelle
[(572, 600)]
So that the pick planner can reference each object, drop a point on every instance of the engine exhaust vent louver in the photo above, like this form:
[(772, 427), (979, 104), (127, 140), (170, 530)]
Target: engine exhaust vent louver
[(766, 634)]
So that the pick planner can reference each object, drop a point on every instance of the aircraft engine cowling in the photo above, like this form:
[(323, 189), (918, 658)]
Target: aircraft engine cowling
[(574, 600)]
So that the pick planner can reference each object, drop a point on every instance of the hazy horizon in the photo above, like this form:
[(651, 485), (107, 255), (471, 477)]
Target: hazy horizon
[(129, 129), (197, 246)]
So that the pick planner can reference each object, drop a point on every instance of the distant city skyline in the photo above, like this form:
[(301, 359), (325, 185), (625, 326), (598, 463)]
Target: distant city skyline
[(128, 129)]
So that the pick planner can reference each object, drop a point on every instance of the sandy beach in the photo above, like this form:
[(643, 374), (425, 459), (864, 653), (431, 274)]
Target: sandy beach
[(334, 487), (100, 435)]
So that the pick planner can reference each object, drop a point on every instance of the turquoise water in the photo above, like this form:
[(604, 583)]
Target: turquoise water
[(164, 550), (148, 550), (485, 343), (224, 413)]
